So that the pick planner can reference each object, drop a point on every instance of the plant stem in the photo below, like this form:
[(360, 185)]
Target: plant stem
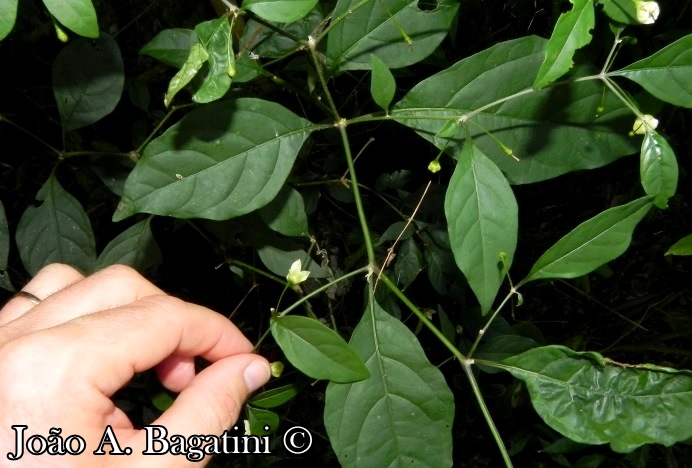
[(466, 365), (356, 195), (71, 154), (160, 124), (321, 289), (257, 271), (339, 19), (317, 63), (482, 331), (22, 129), (423, 318)]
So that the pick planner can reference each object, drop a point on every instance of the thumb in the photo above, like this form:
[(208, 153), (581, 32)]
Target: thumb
[(213, 400)]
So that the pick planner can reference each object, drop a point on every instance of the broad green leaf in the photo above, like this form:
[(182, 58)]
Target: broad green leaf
[(397, 31), (195, 60), (595, 401), (281, 11), (262, 422), (572, 31), (482, 218), (658, 169), (681, 247), (665, 74), (285, 214), (409, 262), (171, 46), (274, 397), (135, 247), (552, 131), (58, 230), (220, 161), (8, 15), (278, 260), (402, 415), (591, 244), (88, 80), (382, 84), (317, 351), (78, 16), (214, 80), (620, 11)]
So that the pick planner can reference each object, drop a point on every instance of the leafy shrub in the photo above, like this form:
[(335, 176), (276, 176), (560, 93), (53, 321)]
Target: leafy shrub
[(334, 138)]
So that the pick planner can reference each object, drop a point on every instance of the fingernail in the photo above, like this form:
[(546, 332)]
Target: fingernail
[(256, 375)]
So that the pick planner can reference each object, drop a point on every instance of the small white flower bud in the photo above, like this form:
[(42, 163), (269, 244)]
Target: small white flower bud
[(646, 123), (647, 12)]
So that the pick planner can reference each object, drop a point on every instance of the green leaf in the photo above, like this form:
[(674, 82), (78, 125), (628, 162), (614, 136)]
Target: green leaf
[(195, 60), (135, 247), (214, 80), (266, 42), (274, 397), (501, 347), (278, 260), (88, 80), (681, 247), (8, 15), (594, 401), (572, 32), (482, 218), (382, 84), (285, 214), (281, 11), (658, 169), (397, 31), (171, 46), (262, 421), (409, 262), (220, 161), (402, 415), (77, 15), (552, 131), (620, 11), (665, 74), (56, 231), (591, 244), (317, 351)]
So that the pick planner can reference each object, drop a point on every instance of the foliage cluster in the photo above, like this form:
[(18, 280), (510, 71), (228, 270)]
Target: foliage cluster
[(347, 181)]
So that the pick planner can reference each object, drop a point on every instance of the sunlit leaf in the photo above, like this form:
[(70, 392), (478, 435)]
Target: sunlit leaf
[(382, 84), (681, 247), (658, 169), (193, 64), (220, 161), (57, 231), (171, 46), (552, 131), (665, 74), (482, 218), (8, 15), (317, 351), (88, 80), (402, 415), (135, 247), (262, 421), (213, 81), (398, 31), (591, 244), (77, 15), (595, 401), (572, 31), (281, 11)]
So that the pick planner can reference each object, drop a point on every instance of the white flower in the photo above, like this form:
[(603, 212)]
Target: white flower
[(647, 12), (295, 274), (645, 124)]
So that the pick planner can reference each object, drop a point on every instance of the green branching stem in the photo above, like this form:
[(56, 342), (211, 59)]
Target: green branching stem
[(356, 195), (482, 331), (256, 270), (339, 19), (312, 44), (72, 154), (423, 318), (466, 365), (160, 125), (322, 289), (27, 132), (274, 28)]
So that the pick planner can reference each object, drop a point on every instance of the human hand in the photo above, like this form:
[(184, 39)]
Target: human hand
[(62, 359)]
